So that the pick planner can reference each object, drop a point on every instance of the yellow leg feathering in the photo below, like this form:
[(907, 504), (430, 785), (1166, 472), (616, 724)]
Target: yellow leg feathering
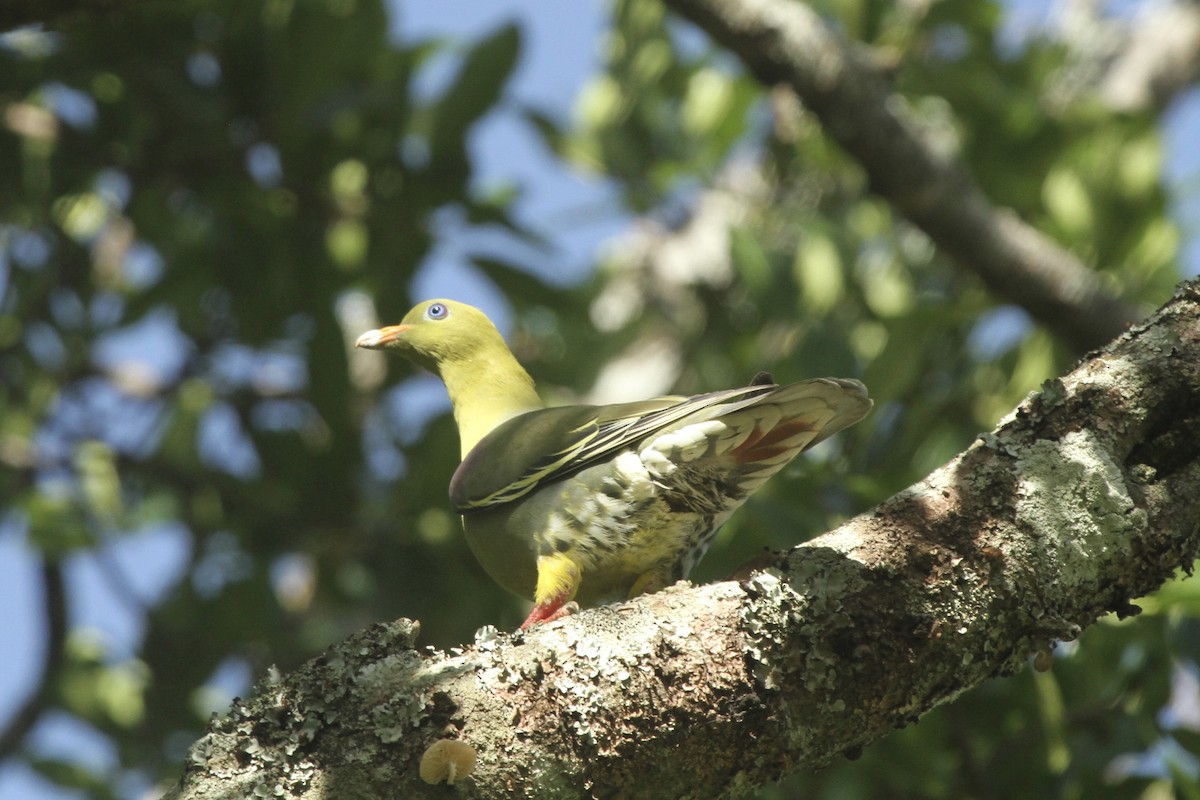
[(558, 578)]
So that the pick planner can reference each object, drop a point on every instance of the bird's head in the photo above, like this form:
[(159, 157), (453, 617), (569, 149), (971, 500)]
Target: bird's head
[(458, 342), (437, 333)]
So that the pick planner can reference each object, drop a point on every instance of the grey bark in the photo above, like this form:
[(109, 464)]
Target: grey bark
[(1086, 496)]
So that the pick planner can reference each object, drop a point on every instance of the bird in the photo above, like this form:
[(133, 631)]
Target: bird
[(583, 504)]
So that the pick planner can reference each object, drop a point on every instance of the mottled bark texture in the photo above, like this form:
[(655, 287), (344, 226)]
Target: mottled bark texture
[(788, 43), (1084, 498)]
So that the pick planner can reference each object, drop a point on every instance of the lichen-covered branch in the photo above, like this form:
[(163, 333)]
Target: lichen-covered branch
[(787, 43), (1087, 496)]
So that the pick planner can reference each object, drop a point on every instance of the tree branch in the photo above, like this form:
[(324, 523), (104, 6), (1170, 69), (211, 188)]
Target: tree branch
[(1086, 496), (51, 13), (1159, 59), (54, 600), (788, 43)]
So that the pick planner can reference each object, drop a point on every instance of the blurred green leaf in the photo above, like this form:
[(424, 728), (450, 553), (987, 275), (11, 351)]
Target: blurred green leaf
[(1068, 201)]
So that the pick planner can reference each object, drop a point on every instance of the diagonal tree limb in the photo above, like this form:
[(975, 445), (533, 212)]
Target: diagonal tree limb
[(1086, 496), (788, 43)]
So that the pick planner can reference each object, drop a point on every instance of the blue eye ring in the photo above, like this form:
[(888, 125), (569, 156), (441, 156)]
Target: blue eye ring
[(437, 311)]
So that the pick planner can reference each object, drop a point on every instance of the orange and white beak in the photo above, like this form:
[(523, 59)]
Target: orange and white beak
[(373, 340)]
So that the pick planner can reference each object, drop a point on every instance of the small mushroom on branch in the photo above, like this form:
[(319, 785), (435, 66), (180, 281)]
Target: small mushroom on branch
[(447, 760)]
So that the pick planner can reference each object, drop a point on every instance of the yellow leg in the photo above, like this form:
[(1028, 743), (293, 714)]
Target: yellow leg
[(558, 579)]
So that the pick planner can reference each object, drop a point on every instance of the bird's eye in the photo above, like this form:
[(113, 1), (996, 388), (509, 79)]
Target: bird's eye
[(437, 311)]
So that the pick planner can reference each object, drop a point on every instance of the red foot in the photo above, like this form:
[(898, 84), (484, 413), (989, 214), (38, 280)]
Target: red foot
[(548, 612)]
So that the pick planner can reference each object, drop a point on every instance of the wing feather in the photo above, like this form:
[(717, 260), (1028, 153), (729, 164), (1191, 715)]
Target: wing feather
[(543, 446)]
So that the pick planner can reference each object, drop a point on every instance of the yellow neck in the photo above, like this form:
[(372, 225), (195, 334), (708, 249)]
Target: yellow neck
[(486, 390)]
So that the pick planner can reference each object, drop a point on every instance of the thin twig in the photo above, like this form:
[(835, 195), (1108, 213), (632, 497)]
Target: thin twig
[(54, 600)]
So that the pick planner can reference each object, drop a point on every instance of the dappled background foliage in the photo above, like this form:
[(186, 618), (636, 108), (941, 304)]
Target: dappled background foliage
[(203, 204)]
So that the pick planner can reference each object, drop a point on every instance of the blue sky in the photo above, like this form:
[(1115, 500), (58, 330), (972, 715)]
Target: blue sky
[(578, 213)]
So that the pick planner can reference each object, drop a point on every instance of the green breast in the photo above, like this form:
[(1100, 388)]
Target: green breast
[(504, 547)]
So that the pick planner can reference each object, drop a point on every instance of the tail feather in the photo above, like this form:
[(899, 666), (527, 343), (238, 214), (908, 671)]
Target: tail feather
[(786, 437), (751, 439)]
